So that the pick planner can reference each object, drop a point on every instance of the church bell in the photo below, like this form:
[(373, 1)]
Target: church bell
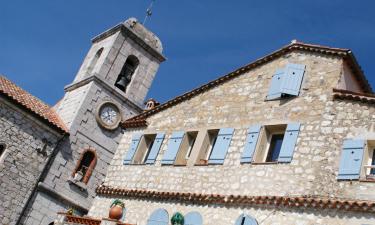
[(121, 84)]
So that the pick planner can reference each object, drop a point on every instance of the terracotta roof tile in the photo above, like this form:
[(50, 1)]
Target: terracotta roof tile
[(345, 53), (244, 200), (353, 96), (31, 103)]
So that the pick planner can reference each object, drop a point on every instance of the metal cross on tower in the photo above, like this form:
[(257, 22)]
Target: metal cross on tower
[(148, 12)]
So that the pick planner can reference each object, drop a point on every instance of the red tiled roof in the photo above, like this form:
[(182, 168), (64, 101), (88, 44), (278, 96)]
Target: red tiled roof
[(241, 200), (353, 96), (31, 103), (295, 46)]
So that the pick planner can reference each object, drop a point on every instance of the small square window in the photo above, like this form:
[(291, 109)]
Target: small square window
[(144, 148), (270, 142), (207, 146), (186, 148)]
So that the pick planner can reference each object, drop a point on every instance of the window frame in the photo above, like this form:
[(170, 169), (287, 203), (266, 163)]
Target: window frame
[(143, 149), (207, 146), (2, 154), (186, 148), (90, 169), (263, 146), (368, 158)]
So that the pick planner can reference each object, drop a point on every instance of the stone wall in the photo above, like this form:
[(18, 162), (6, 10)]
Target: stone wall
[(138, 211), (29, 144), (240, 103)]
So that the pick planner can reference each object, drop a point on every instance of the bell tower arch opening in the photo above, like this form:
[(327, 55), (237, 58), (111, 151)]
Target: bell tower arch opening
[(128, 70)]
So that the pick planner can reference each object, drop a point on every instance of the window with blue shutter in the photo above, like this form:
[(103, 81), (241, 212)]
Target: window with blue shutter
[(193, 218), (221, 145), (246, 220), (158, 217), (286, 81), (289, 142), (292, 80), (251, 143), (173, 147), (274, 91), (133, 148), (154, 151), (351, 160)]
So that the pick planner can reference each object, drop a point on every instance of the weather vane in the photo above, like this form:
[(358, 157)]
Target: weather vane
[(148, 12)]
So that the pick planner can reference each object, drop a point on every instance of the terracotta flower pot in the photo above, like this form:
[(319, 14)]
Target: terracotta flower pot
[(115, 212)]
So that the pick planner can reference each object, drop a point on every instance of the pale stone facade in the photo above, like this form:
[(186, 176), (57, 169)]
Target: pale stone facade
[(239, 103)]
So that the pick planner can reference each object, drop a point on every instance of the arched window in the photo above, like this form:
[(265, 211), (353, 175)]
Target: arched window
[(126, 74), (193, 218), (94, 61), (246, 220), (159, 217), (85, 166)]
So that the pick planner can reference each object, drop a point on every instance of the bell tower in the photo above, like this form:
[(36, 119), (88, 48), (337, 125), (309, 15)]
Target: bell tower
[(110, 86)]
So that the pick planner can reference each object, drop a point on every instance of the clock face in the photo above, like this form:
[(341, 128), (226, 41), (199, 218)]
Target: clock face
[(108, 115)]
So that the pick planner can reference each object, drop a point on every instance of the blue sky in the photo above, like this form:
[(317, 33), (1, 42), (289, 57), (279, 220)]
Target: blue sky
[(42, 43)]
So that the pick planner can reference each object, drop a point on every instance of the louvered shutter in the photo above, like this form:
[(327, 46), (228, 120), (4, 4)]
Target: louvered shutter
[(155, 148), (351, 160), (251, 143), (274, 91), (246, 220), (289, 142), (193, 218), (158, 217), (173, 147), (221, 146), (133, 147), (292, 79)]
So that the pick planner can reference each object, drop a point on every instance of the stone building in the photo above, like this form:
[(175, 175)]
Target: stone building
[(53, 158), (287, 139)]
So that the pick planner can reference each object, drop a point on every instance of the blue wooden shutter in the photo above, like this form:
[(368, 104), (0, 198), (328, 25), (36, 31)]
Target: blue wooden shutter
[(193, 218), (248, 220), (274, 91), (292, 80), (173, 147), (159, 217), (133, 147), (251, 143), (221, 146), (351, 159), (289, 142), (154, 151)]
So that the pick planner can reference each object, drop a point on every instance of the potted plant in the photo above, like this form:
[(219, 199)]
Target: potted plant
[(116, 210), (177, 219)]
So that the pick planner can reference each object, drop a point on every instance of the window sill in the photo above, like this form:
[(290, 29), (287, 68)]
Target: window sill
[(264, 163), (370, 179), (82, 186)]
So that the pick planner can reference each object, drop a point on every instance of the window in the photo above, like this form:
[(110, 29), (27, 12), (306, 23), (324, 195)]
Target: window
[(127, 72), (85, 166), (2, 149), (369, 161), (207, 147), (94, 61), (246, 220), (144, 148), (159, 216), (186, 148), (193, 218), (270, 143), (286, 82), (271, 140)]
